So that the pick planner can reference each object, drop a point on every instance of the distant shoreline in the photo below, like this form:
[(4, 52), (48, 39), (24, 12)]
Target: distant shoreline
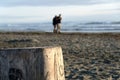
[(62, 33)]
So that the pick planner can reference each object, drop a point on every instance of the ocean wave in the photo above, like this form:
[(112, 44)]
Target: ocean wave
[(66, 27)]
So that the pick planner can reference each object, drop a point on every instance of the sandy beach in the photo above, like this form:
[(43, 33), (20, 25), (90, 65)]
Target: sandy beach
[(87, 56)]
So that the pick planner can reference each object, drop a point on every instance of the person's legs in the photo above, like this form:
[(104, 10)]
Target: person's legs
[(55, 28), (58, 27)]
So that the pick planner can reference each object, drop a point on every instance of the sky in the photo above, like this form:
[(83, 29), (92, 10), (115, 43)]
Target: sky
[(15, 11)]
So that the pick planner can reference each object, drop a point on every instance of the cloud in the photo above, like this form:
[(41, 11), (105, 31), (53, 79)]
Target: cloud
[(46, 13), (52, 2)]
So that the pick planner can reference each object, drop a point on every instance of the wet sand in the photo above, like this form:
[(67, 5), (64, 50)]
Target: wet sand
[(87, 56)]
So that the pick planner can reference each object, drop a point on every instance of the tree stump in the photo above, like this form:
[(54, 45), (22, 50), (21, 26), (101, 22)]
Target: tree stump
[(41, 63)]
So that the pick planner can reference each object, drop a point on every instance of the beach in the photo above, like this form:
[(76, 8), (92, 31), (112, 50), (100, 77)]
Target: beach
[(87, 56)]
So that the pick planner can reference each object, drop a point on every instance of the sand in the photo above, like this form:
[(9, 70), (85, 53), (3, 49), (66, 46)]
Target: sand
[(87, 56)]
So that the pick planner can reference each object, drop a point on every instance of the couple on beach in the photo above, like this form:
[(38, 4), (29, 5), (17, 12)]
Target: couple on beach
[(57, 23)]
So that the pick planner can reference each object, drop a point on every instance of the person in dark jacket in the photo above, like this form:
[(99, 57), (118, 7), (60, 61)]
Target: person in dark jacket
[(55, 24)]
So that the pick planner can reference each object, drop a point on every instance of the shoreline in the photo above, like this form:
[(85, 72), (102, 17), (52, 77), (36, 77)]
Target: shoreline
[(40, 32)]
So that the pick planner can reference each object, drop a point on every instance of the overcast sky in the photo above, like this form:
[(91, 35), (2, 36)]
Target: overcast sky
[(71, 10)]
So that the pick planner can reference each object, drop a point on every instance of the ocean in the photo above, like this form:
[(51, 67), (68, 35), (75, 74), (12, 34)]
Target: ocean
[(90, 27)]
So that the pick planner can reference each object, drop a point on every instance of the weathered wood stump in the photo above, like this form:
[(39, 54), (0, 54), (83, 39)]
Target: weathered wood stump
[(44, 63)]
